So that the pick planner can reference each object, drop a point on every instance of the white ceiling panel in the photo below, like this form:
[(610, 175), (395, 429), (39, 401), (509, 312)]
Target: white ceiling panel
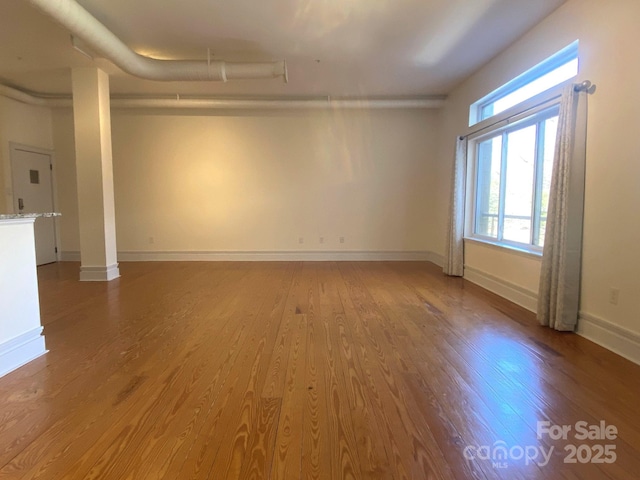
[(332, 47)]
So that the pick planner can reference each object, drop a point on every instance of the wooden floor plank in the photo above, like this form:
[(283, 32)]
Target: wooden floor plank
[(317, 462), (287, 461), (529, 401), (276, 370), (234, 407), (428, 462), (100, 403)]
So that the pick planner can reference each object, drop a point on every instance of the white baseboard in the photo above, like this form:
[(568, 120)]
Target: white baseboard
[(69, 256), (435, 258), (201, 256), (272, 256), (99, 273), (514, 293), (21, 350), (612, 337)]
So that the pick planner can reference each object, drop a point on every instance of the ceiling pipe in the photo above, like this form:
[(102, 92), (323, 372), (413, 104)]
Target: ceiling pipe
[(22, 96), (293, 104), (98, 37), (229, 103)]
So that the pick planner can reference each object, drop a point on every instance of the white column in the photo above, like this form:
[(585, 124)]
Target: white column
[(94, 171)]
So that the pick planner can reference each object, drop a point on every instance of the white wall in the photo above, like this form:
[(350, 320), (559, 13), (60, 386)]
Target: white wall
[(608, 52), (257, 181), (25, 124)]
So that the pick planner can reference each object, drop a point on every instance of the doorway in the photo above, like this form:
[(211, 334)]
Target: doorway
[(33, 193)]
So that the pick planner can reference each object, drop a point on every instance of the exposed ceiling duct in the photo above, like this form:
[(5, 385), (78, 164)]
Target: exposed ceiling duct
[(231, 103), (98, 37), (288, 104), (22, 96)]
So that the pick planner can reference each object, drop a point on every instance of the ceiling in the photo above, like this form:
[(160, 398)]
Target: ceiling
[(332, 47)]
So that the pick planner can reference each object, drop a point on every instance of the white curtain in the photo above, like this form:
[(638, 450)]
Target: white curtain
[(559, 291), (454, 254)]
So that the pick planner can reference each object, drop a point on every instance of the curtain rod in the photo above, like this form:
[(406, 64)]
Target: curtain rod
[(515, 117), (585, 86)]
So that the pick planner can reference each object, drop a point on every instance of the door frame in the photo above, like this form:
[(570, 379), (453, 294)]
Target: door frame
[(13, 147)]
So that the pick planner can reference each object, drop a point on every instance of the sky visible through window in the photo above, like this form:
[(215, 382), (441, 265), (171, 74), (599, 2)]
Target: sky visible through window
[(539, 85)]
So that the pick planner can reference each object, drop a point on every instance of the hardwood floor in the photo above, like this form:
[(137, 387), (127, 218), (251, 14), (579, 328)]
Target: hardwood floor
[(306, 370)]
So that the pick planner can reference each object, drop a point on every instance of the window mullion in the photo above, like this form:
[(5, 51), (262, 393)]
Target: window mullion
[(503, 185), (534, 190), (538, 178)]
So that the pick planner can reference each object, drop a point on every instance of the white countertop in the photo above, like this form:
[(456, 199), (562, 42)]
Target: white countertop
[(14, 216)]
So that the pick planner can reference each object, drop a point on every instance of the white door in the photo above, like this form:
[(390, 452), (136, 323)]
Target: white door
[(33, 193)]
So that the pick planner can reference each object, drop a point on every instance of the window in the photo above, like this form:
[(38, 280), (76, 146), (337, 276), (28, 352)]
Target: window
[(551, 72), (513, 176), (511, 160)]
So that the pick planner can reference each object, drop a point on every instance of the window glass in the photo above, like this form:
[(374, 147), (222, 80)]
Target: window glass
[(550, 129), (521, 150), (553, 71), (513, 168), (539, 85), (488, 199)]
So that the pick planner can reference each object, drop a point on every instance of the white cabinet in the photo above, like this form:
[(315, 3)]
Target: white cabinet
[(21, 337)]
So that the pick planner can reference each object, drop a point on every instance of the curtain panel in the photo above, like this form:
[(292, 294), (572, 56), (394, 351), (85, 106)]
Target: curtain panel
[(559, 289), (454, 248)]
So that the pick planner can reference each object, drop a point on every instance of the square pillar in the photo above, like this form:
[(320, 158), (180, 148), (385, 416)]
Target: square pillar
[(94, 171)]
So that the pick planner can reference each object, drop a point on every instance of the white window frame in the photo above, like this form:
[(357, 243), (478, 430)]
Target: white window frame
[(518, 116), (555, 61), (531, 117)]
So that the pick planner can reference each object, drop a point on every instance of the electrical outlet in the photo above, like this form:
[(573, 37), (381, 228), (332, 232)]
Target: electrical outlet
[(341, 239), (321, 239), (614, 296), (152, 240), (301, 240)]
